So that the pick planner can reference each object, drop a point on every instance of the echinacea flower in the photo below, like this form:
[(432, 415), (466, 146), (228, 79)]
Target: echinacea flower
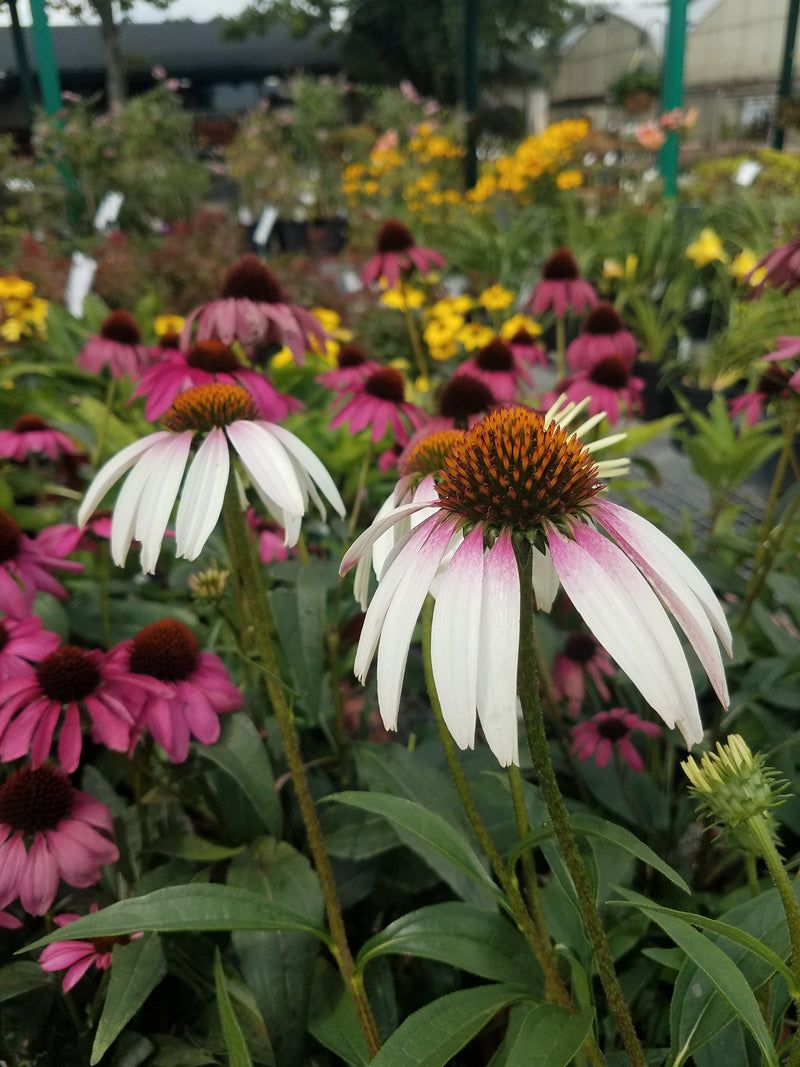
[(608, 732), (49, 831), (27, 563), (397, 255), (281, 468), (581, 655), (271, 537), (561, 287), (781, 268), (773, 383), (788, 347), (31, 435), (518, 479), (498, 366), (195, 687), (204, 363), (64, 685), (119, 345), (23, 642), (603, 334), (252, 309), (379, 401), (352, 367), (76, 957), (609, 387)]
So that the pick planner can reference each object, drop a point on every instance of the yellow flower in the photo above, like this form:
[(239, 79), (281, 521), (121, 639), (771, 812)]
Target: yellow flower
[(283, 357), (443, 352), (11, 330), (613, 269), (12, 287), (164, 324), (441, 331), (474, 335), (569, 179), (370, 187), (743, 264), (327, 319), (404, 297), (496, 298), (511, 327), (452, 305), (706, 249)]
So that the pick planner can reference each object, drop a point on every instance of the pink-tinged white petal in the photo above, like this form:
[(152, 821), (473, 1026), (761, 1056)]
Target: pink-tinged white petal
[(545, 579), (312, 465), (625, 615), (499, 644), (123, 521), (267, 464), (367, 539), (112, 471), (401, 618), (455, 638), (159, 496), (203, 493)]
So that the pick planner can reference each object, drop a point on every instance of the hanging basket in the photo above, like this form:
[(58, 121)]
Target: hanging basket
[(638, 101)]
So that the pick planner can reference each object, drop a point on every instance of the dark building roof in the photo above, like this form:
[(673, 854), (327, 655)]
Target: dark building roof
[(185, 49)]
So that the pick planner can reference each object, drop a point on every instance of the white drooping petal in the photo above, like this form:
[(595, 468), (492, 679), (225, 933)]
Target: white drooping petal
[(401, 618), (159, 495), (632, 526), (499, 651), (381, 547), (311, 463), (267, 463), (677, 581), (379, 605), (113, 470), (455, 638), (203, 494), (545, 579), (627, 618), (126, 507), (364, 543)]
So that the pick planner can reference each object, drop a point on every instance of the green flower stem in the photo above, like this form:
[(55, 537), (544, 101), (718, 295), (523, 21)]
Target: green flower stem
[(413, 336), (766, 550), (528, 865), (359, 493), (248, 573), (111, 394), (104, 576), (561, 348), (528, 688), (555, 990)]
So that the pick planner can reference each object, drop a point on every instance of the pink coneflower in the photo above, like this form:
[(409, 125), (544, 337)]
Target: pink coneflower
[(23, 642), (281, 468), (561, 287), (781, 268), (523, 345), (604, 334), (582, 655), (610, 731), (49, 831), (204, 363), (352, 367), (497, 366), (773, 383), (64, 684), (78, 956), (30, 434), (379, 401), (271, 538), (27, 563), (119, 345), (398, 255), (608, 386), (195, 688), (252, 309), (518, 476), (788, 348)]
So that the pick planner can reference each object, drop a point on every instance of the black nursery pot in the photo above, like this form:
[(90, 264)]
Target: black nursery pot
[(658, 399), (292, 235), (330, 234)]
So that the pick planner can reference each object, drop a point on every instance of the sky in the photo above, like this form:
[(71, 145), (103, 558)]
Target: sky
[(197, 10)]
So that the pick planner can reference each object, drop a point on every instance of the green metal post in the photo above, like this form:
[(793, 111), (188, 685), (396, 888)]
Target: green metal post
[(672, 90), (47, 69), (25, 77), (470, 16), (785, 87)]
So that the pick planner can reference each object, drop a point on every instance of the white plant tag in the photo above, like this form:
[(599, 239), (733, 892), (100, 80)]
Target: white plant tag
[(108, 211), (79, 282), (747, 172), (265, 223)]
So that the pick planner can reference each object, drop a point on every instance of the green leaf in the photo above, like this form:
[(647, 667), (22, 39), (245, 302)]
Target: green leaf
[(434, 1034), (725, 976), (427, 827), (549, 1037), (473, 939), (241, 753), (136, 970), (192, 847), (235, 1044), (185, 907), (332, 1018), (21, 977)]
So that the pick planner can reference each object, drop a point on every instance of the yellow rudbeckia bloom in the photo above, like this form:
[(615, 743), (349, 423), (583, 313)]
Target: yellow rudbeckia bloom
[(164, 324), (401, 298), (474, 335), (511, 327), (706, 249), (496, 298), (14, 288)]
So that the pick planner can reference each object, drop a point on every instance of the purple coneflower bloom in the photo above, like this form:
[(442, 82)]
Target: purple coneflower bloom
[(27, 563), (76, 957), (517, 478), (781, 268), (397, 254), (498, 366), (608, 731), (352, 367), (774, 382), (561, 287), (31, 434), (581, 655), (609, 387), (23, 642), (119, 345), (603, 335), (379, 401), (788, 348)]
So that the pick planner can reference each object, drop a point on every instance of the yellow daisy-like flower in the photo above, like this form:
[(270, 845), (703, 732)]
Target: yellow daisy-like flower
[(11, 329), (164, 324), (402, 298), (370, 187), (496, 298), (451, 305), (474, 335), (743, 264), (443, 352), (442, 331), (283, 357), (14, 288), (511, 327), (482, 190), (569, 179), (706, 249), (328, 320)]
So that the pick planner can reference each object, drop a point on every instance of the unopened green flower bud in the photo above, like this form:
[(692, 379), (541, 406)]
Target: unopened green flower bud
[(209, 584), (733, 785)]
